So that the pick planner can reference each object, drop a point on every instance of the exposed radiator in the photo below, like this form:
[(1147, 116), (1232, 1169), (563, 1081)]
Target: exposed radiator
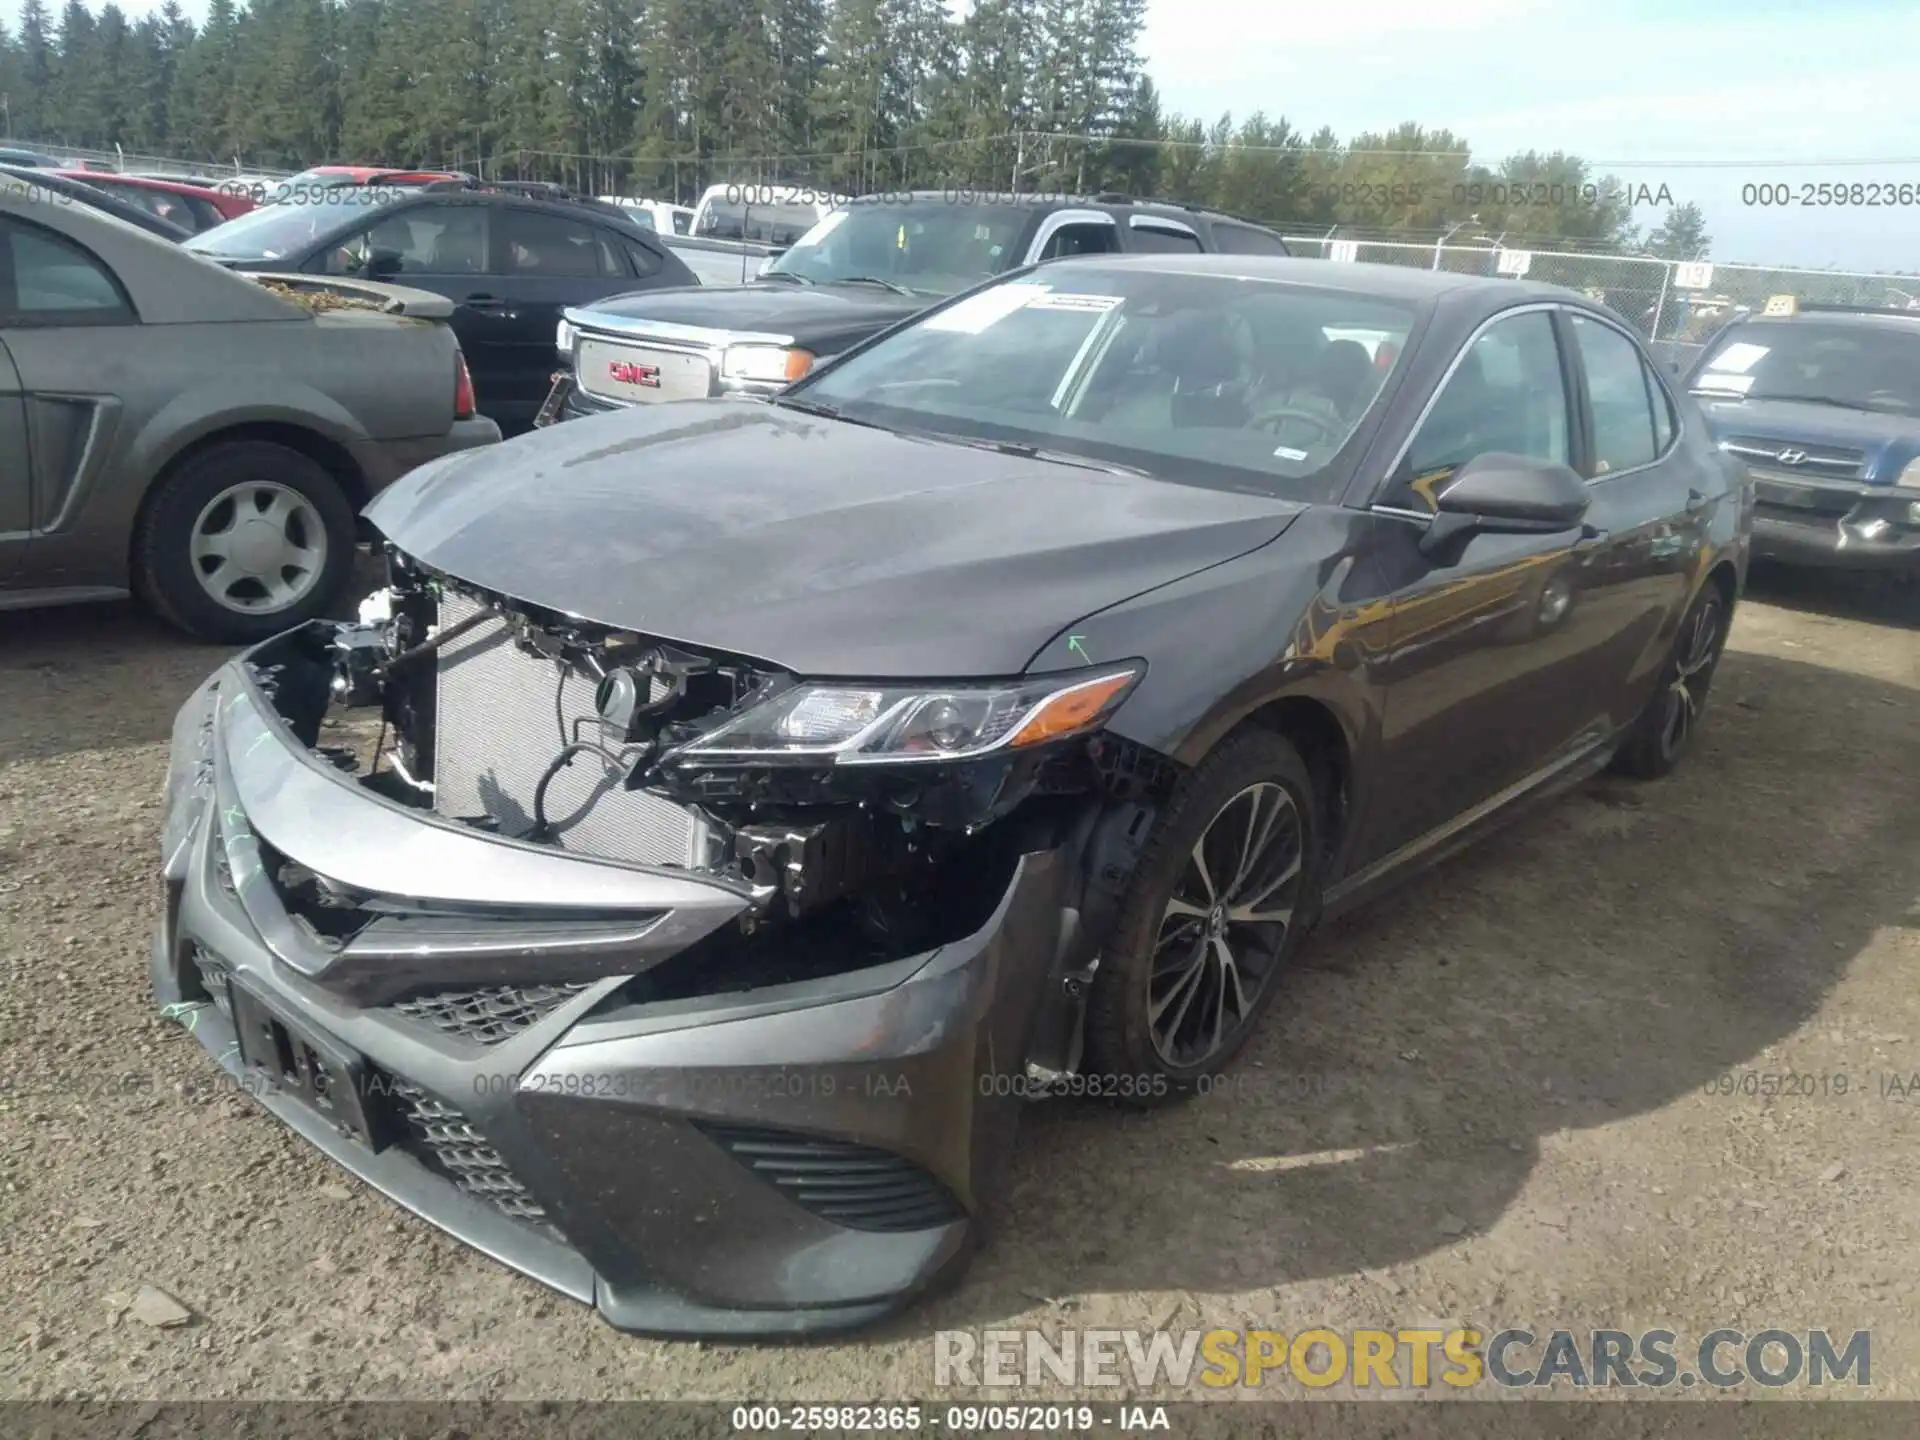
[(497, 729)]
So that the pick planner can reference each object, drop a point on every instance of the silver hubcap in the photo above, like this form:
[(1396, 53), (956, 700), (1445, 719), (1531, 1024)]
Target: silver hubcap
[(1221, 933), (259, 547), (1692, 670)]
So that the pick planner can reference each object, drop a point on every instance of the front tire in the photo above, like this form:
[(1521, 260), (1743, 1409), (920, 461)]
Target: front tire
[(1215, 910), (1665, 729), (243, 541)]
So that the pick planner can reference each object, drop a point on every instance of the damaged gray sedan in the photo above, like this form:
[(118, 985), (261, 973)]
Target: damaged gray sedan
[(679, 875)]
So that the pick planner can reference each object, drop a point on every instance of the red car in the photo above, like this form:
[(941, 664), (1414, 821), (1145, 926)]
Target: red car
[(331, 175), (195, 207)]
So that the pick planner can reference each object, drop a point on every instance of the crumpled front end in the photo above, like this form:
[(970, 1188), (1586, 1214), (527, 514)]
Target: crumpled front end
[(716, 1051)]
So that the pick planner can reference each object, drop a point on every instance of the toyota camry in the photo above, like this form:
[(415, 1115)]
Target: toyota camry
[(676, 878)]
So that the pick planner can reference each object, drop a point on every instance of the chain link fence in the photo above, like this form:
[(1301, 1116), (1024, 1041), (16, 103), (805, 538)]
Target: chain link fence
[(1675, 306), (128, 161)]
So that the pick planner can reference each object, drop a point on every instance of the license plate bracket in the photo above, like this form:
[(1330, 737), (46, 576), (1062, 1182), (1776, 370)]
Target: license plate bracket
[(556, 397), (321, 1074), (1793, 497)]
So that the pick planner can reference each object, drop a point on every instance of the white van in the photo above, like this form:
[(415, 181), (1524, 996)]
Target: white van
[(774, 215), (661, 216)]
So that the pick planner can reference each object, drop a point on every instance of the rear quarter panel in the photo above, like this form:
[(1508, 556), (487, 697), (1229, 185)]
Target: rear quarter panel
[(117, 406)]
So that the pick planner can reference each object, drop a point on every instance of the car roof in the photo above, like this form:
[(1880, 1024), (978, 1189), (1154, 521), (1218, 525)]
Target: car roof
[(1860, 319), (1389, 282), (139, 182)]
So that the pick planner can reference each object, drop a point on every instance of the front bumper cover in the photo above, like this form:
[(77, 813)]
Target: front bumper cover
[(772, 1161)]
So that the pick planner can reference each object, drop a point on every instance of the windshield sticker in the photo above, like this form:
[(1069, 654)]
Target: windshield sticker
[(977, 312), (1287, 452), (1728, 384), (1091, 304), (1738, 358)]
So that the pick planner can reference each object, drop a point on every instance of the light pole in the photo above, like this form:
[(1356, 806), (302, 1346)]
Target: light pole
[(1470, 220)]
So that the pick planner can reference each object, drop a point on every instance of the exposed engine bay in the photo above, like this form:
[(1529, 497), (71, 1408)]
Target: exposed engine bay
[(554, 731)]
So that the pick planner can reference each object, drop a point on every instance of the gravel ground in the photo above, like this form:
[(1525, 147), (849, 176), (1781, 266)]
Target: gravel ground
[(1489, 1099)]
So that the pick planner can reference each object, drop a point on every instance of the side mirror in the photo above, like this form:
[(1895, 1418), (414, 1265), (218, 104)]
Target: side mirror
[(384, 264), (1501, 494)]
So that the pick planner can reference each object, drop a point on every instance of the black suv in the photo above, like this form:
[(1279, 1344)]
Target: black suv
[(1822, 404), (866, 266)]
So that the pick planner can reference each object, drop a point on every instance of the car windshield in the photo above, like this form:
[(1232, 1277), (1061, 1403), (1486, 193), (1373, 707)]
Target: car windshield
[(929, 249), (274, 231), (1851, 366), (1207, 379)]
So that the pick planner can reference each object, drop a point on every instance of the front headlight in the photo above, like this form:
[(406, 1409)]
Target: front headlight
[(1909, 478), (563, 340), (775, 364), (892, 724)]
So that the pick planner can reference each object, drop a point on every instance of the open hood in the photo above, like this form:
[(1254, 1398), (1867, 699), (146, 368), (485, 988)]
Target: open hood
[(820, 546)]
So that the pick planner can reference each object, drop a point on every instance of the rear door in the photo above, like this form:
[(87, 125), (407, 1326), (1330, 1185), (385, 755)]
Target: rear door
[(1652, 525), (542, 262)]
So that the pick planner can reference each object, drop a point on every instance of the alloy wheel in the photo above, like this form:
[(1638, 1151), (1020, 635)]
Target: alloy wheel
[(259, 547), (1692, 672), (1221, 933)]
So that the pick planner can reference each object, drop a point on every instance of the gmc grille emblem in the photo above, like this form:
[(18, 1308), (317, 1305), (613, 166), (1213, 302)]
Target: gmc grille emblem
[(1791, 456), (628, 373)]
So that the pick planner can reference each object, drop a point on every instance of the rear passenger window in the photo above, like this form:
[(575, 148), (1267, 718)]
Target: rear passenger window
[(1623, 424), (532, 243), (1663, 423), (53, 281), (645, 261), (1245, 240), (1153, 240)]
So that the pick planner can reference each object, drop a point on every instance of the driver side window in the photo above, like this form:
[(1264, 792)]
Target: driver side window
[(1508, 394)]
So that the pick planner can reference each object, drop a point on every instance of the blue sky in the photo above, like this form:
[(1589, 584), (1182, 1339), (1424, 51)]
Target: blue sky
[(1634, 82), (1784, 88)]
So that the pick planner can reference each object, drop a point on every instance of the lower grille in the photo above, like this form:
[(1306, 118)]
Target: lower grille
[(445, 1139), (490, 1015), (856, 1186), (214, 974), (500, 715)]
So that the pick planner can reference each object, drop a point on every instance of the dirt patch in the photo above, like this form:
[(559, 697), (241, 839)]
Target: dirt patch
[(1495, 1097)]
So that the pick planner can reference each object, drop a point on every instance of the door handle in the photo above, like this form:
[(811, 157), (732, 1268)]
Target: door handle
[(484, 302)]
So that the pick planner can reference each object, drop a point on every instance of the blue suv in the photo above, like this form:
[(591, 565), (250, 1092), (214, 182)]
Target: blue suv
[(1822, 404)]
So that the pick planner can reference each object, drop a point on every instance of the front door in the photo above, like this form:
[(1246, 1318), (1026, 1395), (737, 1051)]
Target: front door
[(1487, 670), (66, 324), (16, 469)]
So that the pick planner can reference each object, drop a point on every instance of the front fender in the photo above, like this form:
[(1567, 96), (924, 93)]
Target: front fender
[(1221, 643)]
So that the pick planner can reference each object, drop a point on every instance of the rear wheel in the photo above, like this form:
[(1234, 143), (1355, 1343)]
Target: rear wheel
[(1208, 924), (1666, 727), (243, 541)]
